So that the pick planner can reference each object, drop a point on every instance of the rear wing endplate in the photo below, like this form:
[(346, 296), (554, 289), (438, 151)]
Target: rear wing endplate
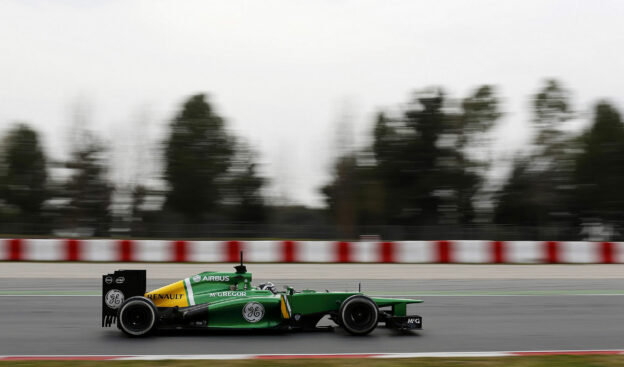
[(116, 288)]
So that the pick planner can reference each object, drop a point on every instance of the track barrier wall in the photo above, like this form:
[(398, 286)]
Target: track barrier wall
[(498, 252)]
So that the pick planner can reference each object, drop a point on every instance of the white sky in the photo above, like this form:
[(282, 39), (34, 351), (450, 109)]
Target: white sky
[(284, 72)]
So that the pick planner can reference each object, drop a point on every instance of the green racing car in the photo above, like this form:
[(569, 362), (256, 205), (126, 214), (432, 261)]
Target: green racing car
[(217, 300)]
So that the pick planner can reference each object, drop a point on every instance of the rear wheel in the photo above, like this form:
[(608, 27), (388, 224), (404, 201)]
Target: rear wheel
[(359, 315), (137, 316)]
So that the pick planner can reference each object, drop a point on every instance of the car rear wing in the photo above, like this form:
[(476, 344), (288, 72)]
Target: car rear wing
[(116, 288)]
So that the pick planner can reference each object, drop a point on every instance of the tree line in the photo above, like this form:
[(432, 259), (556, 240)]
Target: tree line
[(429, 165), (210, 176)]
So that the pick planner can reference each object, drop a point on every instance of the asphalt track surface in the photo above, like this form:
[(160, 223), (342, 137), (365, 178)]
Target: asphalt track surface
[(62, 316)]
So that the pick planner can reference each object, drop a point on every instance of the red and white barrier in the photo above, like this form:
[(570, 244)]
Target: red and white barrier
[(312, 251)]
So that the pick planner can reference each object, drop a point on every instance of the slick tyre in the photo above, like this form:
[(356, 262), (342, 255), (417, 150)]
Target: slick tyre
[(358, 315), (137, 316)]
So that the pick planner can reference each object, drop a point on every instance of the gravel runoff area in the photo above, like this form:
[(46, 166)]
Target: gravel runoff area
[(322, 271)]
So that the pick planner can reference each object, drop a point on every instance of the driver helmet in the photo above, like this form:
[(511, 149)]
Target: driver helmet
[(268, 286)]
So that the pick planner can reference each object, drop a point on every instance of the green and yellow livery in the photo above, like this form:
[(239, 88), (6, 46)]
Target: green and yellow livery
[(217, 300)]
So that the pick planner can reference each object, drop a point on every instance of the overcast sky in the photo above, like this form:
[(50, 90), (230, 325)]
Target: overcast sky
[(283, 73)]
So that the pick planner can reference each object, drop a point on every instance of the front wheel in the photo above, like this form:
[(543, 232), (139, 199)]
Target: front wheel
[(359, 315), (137, 316)]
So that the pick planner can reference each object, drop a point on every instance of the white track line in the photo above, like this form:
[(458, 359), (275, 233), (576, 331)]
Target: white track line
[(312, 356)]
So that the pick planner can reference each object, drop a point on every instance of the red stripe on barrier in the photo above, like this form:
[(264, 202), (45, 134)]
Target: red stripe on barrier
[(607, 253), (125, 250), (73, 250), (180, 251), (343, 252), (233, 249), (444, 251), (498, 252), (552, 252), (15, 249), (289, 252), (387, 252)]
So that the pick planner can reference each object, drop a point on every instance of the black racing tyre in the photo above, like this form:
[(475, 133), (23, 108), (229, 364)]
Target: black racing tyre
[(358, 315), (137, 316)]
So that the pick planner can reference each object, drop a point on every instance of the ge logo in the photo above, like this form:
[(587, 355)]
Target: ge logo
[(253, 312), (114, 298)]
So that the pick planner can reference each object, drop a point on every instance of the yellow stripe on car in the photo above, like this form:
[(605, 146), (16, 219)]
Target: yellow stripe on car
[(170, 295), (285, 308)]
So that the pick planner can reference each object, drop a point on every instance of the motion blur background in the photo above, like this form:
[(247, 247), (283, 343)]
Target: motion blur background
[(312, 120)]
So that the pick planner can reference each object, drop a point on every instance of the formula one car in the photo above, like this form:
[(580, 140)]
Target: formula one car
[(215, 300)]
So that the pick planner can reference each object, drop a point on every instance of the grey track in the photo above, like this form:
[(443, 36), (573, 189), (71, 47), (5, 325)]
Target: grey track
[(71, 325)]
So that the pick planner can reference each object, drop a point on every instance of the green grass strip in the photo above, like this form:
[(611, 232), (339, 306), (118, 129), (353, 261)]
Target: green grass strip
[(533, 361)]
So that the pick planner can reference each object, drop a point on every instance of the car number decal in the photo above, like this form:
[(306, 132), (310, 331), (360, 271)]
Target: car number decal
[(253, 312), (114, 298)]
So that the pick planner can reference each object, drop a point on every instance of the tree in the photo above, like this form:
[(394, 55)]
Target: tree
[(341, 195), (480, 112), (88, 189), (444, 178), (518, 203), (599, 169), (25, 175), (537, 191), (427, 164), (198, 152), (242, 189), (417, 170), (551, 108)]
